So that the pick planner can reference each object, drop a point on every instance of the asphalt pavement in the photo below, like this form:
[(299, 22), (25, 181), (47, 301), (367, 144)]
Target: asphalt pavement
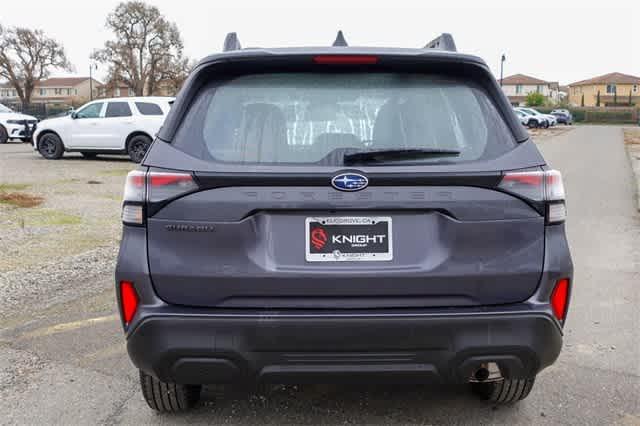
[(66, 363)]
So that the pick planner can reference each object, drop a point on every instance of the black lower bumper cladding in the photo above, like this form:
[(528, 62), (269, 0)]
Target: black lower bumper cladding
[(328, 349)]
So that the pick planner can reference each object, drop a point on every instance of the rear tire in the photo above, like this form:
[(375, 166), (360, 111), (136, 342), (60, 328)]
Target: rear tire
[(168, 397), (137, 147), (4, 136), (89, 155), (533, 124), (506, 391), (50, 146)]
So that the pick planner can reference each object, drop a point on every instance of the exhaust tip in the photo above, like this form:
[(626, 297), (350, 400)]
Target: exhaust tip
[(481, 374), (486, 372)]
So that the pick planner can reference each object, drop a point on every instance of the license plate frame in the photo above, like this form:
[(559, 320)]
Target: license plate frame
[(373, 240)]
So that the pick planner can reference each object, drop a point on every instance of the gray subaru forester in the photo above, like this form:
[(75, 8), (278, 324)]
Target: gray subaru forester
[(342, 214)]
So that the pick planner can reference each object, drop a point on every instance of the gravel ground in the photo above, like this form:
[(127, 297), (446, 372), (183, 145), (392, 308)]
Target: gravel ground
[(63, 278), (72, 236)]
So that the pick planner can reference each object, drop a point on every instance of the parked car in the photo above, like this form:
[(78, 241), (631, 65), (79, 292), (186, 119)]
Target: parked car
[(551, 120), (356, 217), (104, 126), (531, 121), (522, 117), (563, 116), (14, 125)]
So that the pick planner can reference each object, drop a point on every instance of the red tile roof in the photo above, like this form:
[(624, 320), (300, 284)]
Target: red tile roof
[(62, 81), (522, 79), (56, 82), (614, 77)]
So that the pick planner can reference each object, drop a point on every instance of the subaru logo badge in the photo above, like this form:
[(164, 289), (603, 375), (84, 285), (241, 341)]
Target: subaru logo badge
[(349, 182)]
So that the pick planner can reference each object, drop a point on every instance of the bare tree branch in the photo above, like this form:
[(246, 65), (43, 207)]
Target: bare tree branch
[(145, 48), (27, 57)]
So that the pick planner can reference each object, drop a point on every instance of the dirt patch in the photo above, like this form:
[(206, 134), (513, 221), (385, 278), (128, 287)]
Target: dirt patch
[(632, 136), (550, 132), (20, 199)]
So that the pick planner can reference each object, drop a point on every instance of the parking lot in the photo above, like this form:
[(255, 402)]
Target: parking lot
[(62, 355)]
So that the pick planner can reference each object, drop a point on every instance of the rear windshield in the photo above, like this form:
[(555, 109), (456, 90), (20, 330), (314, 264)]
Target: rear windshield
[(315, 119)]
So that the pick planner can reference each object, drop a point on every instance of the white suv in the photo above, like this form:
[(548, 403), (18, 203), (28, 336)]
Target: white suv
[(14, 125), (551, 120), (104, 126)]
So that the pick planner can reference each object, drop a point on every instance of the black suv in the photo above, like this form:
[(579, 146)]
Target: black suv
[(342, 214)]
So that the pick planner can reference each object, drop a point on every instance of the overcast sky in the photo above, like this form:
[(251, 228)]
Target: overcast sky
[(559, 40)]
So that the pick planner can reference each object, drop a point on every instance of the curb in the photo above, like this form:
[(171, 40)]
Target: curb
[(633, 152)]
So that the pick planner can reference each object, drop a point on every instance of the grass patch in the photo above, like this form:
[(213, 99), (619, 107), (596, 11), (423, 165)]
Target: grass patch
[(631, 137), (115, 172), (6, 187), (20, 199), (55, 217), (111, 197), (66, 181), (44, 217)]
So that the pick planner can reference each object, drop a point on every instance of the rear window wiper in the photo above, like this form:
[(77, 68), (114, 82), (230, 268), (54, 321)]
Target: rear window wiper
[(397, 154)]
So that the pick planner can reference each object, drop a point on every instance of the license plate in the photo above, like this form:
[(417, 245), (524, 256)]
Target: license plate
[(335, 239)]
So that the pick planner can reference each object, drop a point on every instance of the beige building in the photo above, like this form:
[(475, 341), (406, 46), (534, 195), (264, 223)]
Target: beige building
[(115, 91), (518, 86), (120, 90), (55, 91), (614, 88)]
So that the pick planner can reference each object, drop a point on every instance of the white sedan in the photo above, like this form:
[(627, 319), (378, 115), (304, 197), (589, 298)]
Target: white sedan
[(104, 126), (14, 125)]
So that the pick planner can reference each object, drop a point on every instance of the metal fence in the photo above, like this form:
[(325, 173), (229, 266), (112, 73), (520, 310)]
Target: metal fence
[(42, 111)]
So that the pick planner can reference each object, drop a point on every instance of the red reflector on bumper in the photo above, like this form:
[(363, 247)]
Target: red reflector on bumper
[(129, 300), (560, 298)]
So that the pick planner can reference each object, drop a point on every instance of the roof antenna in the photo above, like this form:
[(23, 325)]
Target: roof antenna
[(231, 42), (340, 41)]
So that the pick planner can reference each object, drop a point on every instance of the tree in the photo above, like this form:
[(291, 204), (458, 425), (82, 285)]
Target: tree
[(28, 56), (598, 99), (147, 48), (535, 99)]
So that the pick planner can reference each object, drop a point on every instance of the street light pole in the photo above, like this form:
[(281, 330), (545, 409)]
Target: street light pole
[(91, 66), (504, 58)]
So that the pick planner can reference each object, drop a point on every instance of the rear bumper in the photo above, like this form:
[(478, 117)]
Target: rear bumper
[(204, 349)]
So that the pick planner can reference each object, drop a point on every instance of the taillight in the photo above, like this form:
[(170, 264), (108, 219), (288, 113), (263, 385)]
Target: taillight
[(134, 196), (560, 299), (543, 186), (142, 187), (128, 300), (346, 59), (164, 185)]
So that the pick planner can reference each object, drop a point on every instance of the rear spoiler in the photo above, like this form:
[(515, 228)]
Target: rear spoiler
[(443, 42)]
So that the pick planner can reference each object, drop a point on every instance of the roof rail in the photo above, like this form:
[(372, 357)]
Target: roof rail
[(340, 41), (231, 42), (443, 42)]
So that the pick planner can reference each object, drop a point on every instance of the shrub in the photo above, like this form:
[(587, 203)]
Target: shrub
[(535, 99)]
